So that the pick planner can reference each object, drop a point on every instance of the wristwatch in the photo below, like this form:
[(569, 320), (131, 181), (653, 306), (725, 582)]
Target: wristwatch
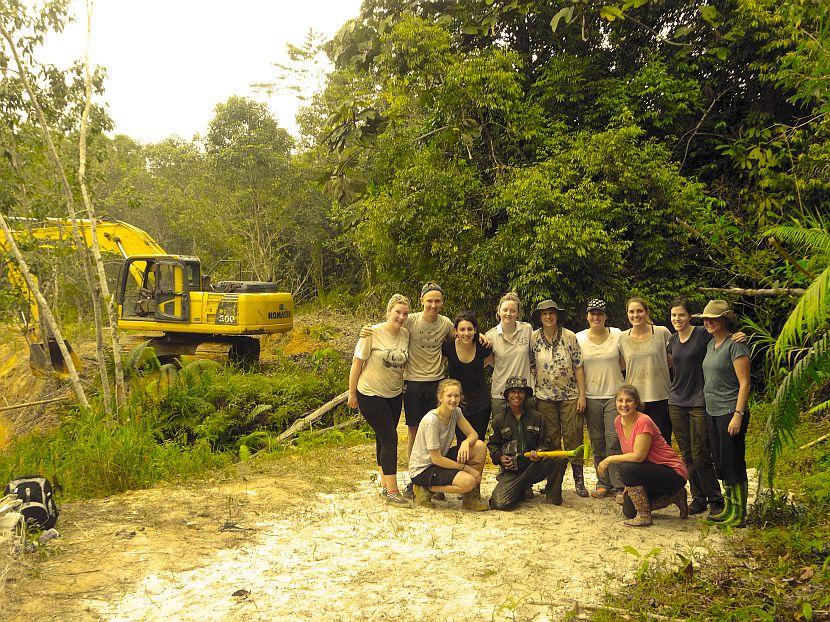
[(739, 412)]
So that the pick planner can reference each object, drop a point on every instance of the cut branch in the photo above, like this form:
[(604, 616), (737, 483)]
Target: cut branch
[(301, 424), (37, 403), (740, 291)]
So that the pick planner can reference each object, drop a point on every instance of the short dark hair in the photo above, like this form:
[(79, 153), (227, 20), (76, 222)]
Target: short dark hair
[(681, 302)]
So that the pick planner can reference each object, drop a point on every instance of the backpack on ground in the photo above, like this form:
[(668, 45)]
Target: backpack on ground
[(39, 507)]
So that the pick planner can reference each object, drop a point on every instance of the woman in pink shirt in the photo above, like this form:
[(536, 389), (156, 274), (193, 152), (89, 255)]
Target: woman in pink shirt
[(653, 474)]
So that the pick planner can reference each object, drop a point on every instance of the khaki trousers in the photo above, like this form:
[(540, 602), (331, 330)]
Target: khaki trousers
[(563, 424)]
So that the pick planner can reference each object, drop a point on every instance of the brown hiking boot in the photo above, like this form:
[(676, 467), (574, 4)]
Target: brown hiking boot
[(638, 497), (472, 501), (422, 497)]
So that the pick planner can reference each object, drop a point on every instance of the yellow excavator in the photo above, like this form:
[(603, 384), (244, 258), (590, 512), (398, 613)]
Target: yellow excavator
[(159, 292)]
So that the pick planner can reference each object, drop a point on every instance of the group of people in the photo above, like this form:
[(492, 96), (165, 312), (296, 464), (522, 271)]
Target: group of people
[(633, 389)]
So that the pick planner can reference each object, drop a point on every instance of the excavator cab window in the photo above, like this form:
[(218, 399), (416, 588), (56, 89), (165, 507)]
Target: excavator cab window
[(155, 289), (172, 295)]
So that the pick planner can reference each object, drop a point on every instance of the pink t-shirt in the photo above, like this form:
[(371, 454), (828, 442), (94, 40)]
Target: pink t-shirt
[(660, 451)]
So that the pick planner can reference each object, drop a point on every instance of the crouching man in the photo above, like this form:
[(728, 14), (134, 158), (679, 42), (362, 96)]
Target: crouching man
[(517, 431), (434, 465)]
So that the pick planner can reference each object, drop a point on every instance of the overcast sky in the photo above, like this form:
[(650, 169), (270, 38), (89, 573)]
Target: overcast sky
[(169, 62)]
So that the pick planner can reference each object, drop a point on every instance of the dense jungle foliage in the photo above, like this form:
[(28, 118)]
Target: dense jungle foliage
[(564, 149)]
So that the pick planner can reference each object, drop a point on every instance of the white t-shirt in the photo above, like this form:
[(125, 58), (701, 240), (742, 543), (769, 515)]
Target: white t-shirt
[(511, 356), (384, 356), (432, 434), (646, 364), (425, 340), (601, 363)]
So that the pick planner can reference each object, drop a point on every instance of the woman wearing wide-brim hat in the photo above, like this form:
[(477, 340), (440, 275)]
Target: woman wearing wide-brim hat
[(556, 362), (726, 386)]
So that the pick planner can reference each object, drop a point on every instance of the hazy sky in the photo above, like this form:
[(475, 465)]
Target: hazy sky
[(170, 62)]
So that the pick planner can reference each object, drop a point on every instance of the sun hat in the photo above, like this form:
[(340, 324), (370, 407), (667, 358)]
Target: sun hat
[(517, 382), (597, 304), (545, 305), (715, 309)]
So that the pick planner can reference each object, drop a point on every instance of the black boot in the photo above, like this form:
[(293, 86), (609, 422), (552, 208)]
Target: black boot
[(553, 489), (579, 480)]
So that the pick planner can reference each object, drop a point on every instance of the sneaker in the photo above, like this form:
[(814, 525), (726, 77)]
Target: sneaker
[(407, 492), (600, 492), (383, 492), (396, 498), (698, 506)]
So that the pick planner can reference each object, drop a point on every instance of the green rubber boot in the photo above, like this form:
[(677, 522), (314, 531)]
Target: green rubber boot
[(738, 516), (727, 506)]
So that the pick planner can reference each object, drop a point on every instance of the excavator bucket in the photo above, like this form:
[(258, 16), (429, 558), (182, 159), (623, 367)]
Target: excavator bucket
[(40, 363)]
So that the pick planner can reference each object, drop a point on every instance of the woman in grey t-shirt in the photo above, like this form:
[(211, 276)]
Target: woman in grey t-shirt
[(726, 385)]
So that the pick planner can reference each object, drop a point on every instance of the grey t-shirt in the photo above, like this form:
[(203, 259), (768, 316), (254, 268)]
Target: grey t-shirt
[(432, 434), (425, 339), (687, 358), (720, 386)]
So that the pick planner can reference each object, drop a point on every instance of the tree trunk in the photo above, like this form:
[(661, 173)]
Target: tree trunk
[(107, 298), (80, 245), (46, 312)]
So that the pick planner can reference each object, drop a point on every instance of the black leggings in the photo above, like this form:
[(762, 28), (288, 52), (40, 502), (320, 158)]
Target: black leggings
[(383, 413), (479, 419), (659, 413), (728, 452), (657, 479)]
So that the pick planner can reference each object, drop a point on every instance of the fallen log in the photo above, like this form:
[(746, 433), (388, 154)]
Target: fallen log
[(301, 424), (740, 291), (340, 426), (38, 403)]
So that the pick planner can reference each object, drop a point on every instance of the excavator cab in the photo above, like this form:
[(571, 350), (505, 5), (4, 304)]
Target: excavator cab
[(164, 293)]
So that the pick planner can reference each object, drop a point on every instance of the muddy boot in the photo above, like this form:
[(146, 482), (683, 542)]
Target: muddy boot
[(472, 501), (680, 500), (422, 497), (553, 489), (579, 480), (439, 496), (529, 494), (638, 497), (727, 506)]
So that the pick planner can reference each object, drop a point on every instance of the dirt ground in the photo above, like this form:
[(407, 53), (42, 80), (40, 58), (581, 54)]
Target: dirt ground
[(305, 537)]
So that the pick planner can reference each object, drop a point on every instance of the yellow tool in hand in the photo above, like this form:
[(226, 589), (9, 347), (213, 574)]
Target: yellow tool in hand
[(585, 450)]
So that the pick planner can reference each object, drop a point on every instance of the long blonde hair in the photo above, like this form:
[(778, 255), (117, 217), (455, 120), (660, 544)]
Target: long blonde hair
[(445, 384)]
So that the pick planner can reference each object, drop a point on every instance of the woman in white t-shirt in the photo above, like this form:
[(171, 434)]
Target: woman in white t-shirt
[(510, 341), (643, 348), (376, 386), (602, 363)]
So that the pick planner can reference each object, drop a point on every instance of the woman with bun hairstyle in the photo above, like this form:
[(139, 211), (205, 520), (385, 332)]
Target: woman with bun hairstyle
[(601, 360), (726, 386), (510, 341), (465, 362), (653, 474), (646, 363), (376, 385)]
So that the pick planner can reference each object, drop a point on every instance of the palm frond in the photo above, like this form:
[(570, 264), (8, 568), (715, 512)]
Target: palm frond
[(815, 239), (819, 408), (785, 411), (811, 313)]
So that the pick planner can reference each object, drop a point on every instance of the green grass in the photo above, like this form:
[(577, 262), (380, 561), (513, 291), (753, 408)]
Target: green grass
[(179, 424), (778, 572)]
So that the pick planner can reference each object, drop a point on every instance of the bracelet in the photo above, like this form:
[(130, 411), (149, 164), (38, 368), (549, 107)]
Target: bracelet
[(740, 413)]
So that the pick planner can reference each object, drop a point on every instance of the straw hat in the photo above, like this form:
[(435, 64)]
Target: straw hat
[(715, 309)]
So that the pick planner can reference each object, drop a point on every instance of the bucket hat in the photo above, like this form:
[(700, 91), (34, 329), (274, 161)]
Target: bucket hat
[(715, 309), (545, 305), (517, 382)]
